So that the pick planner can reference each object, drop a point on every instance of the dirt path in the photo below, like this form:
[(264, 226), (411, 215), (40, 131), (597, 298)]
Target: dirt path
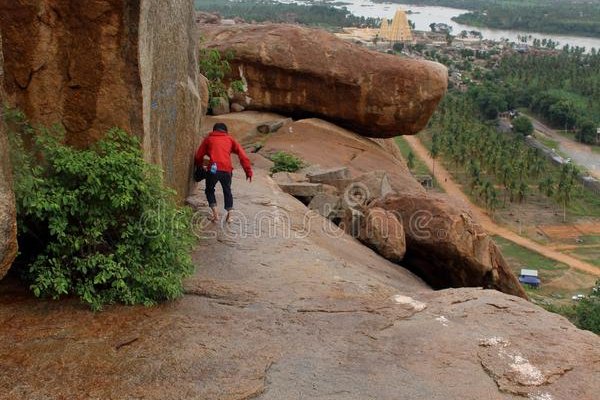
[(453, 190), (580, 153)]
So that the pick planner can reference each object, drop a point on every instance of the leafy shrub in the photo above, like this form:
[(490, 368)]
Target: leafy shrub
[(522, 125), (215, 67), (588, 314), (588, 311), (96, 223), (285, 162)]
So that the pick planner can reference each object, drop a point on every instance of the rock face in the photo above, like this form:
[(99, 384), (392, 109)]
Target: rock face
[(303, 72), (300, 313), (8, 223), (93, 65), (447, 247)]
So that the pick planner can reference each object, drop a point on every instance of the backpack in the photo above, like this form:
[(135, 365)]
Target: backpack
[(199, 173)]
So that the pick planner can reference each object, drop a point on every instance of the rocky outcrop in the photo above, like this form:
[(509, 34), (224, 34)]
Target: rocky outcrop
[(8, 223), (93, 65), (306, 139), (447, 247), (304, 72), (288, 308)]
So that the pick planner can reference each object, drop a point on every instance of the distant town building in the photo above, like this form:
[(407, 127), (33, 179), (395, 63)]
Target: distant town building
[(398, 31)]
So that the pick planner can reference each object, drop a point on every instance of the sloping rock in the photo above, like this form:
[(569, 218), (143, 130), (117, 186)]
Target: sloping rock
[(305, 139), (303, 314), (447, 247), (8, 222), (305, 72), (94, 65)]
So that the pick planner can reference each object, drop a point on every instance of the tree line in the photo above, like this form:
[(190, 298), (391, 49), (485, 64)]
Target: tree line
[(562, 87), (500, 167)]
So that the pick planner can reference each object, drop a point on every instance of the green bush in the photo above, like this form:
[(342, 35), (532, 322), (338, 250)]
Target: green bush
[(96, 223), (588, 314), (285, 162), (522, 125), (588, 311), (215, 67)]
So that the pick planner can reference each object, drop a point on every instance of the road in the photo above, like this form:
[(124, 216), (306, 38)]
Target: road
[(580, 153), (453, 190)]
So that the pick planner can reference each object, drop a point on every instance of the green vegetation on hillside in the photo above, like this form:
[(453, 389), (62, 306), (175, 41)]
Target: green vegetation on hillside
[(576, 17), (562, 87), (96, 223), (500, 167), (270, 10)]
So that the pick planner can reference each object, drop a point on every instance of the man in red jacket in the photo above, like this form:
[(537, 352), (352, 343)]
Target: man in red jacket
[(219, 145)]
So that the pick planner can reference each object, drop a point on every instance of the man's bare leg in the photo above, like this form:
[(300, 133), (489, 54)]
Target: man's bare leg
[(228, 218), (215, 216)]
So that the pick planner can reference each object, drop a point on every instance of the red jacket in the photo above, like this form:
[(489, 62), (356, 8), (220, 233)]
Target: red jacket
[(219, 146)]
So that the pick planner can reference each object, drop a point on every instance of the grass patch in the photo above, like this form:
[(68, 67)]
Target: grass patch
[(420, 168), (525, 258), (589, 254)]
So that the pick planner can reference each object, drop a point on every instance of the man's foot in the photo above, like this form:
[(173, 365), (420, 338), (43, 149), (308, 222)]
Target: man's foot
[(228, 218), (214, 218)]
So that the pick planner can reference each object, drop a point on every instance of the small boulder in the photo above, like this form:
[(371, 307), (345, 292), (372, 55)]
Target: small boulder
[(383, 232), (221, 106), (272, 126), (204, 93), (288, 177), (326, 204), (447, 247), (365, 188), (328, 175), (301, 189), (236, 107)]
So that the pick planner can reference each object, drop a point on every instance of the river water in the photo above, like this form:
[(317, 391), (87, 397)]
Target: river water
[(425, 15)]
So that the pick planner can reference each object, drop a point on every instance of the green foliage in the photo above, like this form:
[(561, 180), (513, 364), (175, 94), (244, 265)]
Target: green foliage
[(410, 160), (588, 311), (499, 166), (216, 68), (562, 88), (587, 133), (285, 162), (96, 223), (522, 125)]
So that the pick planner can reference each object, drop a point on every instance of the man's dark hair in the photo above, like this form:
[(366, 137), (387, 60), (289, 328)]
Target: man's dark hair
[(220, 127)]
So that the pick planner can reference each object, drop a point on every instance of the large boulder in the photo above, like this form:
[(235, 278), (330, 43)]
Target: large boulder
[(8, 223), (382, 231), (305, 72), (94, 65), (447, 247)]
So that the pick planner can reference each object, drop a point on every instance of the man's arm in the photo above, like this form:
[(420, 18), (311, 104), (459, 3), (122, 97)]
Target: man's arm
[(244, 160), (200, 153)]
